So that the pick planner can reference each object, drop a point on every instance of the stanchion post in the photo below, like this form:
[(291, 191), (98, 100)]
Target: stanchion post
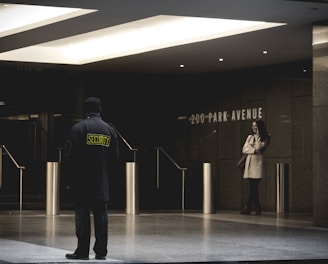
[(132, 188), (52, 206), (208, 188), (282, 188)]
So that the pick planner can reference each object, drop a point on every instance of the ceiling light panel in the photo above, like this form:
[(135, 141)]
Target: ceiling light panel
[(17, 18), (140, 36)]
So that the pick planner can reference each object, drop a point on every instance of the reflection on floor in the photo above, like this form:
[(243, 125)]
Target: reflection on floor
[(168, 237)]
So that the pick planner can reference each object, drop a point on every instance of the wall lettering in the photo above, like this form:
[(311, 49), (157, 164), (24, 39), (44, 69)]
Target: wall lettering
[(226, 116)]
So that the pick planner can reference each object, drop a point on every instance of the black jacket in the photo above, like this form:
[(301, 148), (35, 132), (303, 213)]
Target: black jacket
[(92, 152)]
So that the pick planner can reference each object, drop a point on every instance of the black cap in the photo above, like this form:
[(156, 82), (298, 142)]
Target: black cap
[(92, 105)]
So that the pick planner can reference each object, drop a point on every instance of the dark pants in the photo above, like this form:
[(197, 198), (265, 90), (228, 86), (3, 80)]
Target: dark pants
[(83, 227), (253, 195)]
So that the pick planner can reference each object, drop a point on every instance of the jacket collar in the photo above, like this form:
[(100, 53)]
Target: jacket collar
[(90, 115)]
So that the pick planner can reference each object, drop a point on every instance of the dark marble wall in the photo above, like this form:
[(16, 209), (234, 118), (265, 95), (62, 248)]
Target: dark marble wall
[(194, 118), (286, 110)]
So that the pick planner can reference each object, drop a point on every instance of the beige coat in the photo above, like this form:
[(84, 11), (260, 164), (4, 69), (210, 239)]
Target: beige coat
[(254, 165)]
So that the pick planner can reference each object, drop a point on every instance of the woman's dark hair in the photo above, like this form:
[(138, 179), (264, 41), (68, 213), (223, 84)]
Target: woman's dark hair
[(263, 131)]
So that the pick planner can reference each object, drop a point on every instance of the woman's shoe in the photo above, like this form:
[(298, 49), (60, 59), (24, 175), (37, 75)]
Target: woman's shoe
[(246, 211)]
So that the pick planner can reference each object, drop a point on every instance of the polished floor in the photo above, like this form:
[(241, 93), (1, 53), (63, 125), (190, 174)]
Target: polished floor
[(168, 237)]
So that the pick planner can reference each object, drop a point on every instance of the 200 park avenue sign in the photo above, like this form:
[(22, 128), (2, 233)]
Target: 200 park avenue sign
[(226, 116)]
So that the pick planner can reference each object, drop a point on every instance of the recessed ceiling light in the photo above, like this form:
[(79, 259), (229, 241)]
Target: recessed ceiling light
[(265, 52), (220, 59), (19, 18), (136, 37)]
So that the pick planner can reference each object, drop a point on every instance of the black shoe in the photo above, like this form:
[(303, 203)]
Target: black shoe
[(100, 257), (246, 211), (258, 212), (75, 256)]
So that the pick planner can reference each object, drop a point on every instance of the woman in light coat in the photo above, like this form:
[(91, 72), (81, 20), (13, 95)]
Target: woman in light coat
[(254, 171)]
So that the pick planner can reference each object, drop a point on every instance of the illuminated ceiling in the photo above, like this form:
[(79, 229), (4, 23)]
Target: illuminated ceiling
[(130, 38), (286, 37)]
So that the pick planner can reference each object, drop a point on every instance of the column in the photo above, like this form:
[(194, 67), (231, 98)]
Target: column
[(320, 125)]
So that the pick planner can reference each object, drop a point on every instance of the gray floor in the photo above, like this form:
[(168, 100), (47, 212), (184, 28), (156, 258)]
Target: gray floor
[(168, 237)]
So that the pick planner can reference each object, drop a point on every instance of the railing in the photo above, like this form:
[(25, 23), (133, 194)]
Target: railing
[(158, 149), (21, 168), (60, 154), (132, 182), (134, 150)]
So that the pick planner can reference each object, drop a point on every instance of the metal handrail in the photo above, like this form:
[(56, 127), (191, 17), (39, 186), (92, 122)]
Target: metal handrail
[(126, 143), (21, 168), (179, 168)]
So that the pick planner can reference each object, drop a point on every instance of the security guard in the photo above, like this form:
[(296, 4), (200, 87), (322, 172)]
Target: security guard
[(92, 153)]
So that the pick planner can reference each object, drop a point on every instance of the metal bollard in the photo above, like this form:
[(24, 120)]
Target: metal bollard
[(52, 207), (282, 186), (132, 188), (208, 188)]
